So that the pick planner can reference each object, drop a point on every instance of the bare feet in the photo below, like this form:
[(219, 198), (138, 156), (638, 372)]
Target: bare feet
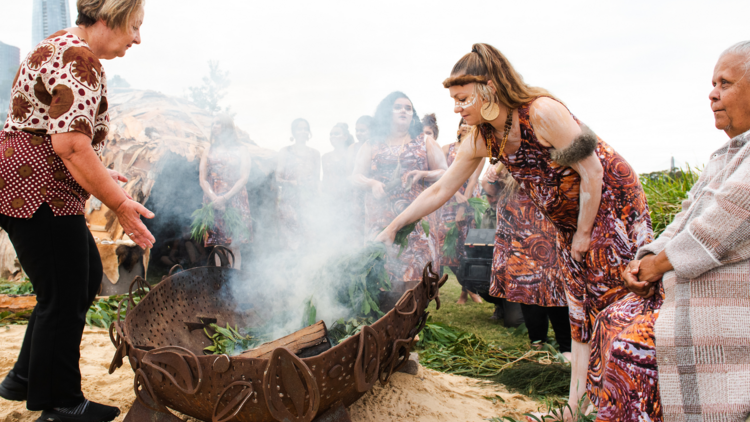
[(462, 299), (475, 297)]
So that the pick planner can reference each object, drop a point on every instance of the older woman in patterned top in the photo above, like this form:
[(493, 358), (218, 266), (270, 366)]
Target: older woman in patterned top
[(579, 183), (56, 126)]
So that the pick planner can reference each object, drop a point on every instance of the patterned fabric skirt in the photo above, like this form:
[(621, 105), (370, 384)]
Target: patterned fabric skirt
[(525, 266), (623, 378)]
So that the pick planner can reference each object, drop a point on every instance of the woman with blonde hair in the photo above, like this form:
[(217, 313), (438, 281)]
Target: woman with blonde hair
[(51, 142), (579, 183)]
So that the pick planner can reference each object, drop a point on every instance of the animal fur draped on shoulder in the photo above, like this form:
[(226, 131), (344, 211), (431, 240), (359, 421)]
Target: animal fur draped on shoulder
[(581, 147)]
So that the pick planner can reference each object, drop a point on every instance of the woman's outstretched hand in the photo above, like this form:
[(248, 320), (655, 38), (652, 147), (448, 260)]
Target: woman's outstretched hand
[(129, 215), (581, 244), (387, 236)]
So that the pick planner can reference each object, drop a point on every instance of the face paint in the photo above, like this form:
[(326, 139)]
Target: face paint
[(466, 104), (398, 107)]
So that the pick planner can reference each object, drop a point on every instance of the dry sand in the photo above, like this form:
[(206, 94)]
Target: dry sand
[(429, 396)]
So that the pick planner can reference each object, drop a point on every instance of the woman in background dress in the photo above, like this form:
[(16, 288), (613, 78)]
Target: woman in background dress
[(393, 166), (450, 211), (298, 176), (224, 171)]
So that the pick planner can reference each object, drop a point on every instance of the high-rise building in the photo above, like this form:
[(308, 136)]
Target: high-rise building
[(10, 59), (49, 16)]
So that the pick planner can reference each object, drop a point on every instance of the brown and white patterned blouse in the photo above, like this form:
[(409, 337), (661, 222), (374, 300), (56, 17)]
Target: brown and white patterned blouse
[(60, 87)]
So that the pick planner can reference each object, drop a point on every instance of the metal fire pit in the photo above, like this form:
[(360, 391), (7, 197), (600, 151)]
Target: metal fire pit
[(162, 339)]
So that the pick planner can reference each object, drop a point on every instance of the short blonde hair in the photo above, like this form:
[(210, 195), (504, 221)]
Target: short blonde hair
[(118, 14)]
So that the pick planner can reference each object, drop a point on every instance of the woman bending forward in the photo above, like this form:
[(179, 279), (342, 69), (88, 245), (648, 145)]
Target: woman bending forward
[(587, 190)]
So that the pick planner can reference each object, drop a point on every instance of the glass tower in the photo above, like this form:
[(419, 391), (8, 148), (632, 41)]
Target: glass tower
[(10, 58), (49, 16)]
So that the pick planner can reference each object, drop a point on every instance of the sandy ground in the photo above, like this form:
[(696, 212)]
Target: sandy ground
[(429, 396)]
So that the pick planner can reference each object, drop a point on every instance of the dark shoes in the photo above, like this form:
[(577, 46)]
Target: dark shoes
[(93, 412), (13, 388)]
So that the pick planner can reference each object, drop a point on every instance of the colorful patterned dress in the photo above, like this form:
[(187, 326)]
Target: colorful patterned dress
[(448, 215), (623, 375), (525, 265), (621, 226), (388, 165), (224, 170)]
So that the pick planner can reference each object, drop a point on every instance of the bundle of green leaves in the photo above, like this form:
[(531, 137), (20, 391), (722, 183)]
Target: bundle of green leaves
[(204, 219), (343, 329), (228, 341)]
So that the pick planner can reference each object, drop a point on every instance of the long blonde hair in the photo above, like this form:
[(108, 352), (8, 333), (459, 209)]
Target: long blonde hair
[(486, 63)]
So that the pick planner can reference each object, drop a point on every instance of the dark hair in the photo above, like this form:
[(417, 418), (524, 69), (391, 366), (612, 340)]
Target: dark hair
[(458, 132), (345, 128), (431, 121), (300, 120), (383, 118), (366, 120), (295, 122)]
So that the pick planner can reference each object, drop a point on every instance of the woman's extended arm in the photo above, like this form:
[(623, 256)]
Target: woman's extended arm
[(435, 196), (555, 126), (87, 169)]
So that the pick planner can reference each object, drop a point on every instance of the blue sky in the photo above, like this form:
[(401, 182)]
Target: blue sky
[(637, 72)]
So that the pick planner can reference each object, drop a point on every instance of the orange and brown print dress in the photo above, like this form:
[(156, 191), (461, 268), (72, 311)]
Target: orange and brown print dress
[(525, 267), (621, 226), (60, 87), (388, 165), (224, 168)]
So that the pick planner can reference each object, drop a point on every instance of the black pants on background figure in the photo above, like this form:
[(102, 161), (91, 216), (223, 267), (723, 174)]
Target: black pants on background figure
[(61, 259), (537, 320)]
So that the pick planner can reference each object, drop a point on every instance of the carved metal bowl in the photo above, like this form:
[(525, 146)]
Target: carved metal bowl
[(160, 338)]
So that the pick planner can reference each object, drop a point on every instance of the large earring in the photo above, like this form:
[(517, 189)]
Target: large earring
[(490, 111)]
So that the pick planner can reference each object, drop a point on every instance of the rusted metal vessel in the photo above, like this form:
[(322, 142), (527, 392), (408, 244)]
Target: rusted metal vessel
[(162, 338)]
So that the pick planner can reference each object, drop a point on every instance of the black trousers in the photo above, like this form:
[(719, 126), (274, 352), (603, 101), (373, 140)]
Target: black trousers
[(61, 259), (537, 320)]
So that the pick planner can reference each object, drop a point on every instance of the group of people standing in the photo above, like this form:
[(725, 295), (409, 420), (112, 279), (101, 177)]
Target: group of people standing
[(659, 327), (577, 221)]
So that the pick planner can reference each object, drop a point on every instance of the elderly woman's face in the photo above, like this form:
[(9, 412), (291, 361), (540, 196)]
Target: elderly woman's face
[(119, 40), (730, 98)]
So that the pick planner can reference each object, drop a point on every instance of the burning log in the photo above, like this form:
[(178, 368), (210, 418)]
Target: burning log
[(309, 341)]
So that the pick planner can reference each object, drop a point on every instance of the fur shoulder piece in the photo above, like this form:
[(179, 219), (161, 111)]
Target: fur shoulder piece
[(464, 80), (581, 147)]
